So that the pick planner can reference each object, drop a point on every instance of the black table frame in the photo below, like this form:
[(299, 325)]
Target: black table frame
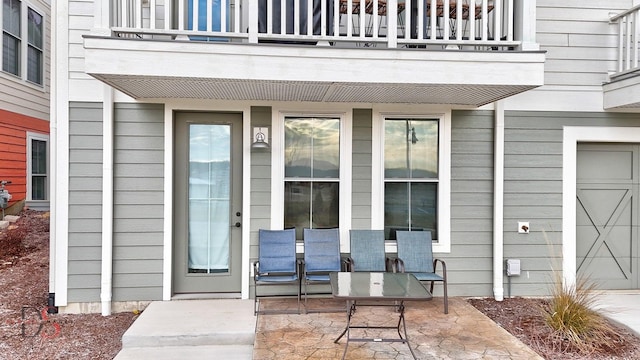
[(401, 282)]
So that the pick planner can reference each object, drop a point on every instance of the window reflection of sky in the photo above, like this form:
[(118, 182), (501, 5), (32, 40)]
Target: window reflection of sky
[(401, 154), (310, 140)]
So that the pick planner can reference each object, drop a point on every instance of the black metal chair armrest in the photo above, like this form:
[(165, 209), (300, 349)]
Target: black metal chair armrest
[(390, 264), (344, 263), (444, 267), (349, 264)]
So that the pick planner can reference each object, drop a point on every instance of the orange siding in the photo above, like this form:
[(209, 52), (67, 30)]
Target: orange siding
[(13, 150)]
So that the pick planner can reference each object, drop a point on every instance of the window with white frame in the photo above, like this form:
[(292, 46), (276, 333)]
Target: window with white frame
[(411, 175), (11, 36), (311, 172), (19, 20), (37, 166), (34, 50)]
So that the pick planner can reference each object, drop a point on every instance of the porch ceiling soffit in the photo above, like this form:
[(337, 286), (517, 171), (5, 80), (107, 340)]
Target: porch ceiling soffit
[(196, 70)]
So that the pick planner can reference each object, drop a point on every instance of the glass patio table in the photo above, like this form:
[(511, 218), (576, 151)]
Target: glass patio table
[(370, 287)]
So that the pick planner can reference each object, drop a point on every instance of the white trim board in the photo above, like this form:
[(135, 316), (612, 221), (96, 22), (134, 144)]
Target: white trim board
[(277, 168), (571, 137), (444, 174), (169, 110)]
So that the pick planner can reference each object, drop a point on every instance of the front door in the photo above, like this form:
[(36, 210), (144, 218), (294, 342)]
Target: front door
[(208, 200), (607, 214)]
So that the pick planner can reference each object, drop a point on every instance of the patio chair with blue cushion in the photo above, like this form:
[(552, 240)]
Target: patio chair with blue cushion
[(277, 263), (367, 251), (321, 256), (415, 255)]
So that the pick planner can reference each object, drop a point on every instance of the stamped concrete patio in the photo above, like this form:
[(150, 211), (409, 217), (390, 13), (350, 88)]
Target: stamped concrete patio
[(464, 333)]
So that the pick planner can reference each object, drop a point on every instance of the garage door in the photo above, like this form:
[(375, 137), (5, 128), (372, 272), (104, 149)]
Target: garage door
[(607, 214)]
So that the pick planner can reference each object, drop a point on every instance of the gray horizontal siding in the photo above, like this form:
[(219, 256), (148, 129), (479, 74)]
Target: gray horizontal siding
[(138, 202), (85, 239), (85, 201), (533, 190), (260, 195), (471, 204), (361, 169)]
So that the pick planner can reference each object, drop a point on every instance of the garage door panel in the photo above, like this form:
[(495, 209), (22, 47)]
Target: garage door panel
[(597, 206), (603, 165), (587, 236), (607, 214)]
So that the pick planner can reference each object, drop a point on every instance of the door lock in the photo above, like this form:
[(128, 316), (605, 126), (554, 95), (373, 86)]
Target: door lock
[(238, 224)]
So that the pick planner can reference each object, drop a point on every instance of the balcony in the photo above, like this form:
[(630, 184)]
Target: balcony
[(623, 89), (371, 51)]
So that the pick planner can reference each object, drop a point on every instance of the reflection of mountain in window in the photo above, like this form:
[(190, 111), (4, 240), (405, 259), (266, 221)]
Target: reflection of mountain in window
[(312, 170), (411, 175)]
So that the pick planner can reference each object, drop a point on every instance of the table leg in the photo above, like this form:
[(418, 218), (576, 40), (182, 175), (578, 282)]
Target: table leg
[(404, 326), (401, 327), (351, 308)]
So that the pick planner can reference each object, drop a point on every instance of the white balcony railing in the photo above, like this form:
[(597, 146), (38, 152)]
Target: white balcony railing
[(390, 23), (628, 31)]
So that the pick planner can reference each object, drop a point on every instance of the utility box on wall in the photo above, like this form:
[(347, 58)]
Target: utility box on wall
[(513, 267)]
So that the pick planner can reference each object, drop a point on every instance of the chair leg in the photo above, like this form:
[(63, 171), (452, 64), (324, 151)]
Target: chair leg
[(255, 302), (299, 293), (446, 298)]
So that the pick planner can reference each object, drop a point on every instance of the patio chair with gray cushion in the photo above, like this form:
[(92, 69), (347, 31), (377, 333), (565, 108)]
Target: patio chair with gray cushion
[(415, 255), (277, 264), (367, 251), (321, 256)]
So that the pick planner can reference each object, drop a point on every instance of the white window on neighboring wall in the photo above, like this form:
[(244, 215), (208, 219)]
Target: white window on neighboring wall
[(37, 166), (35, 58), (22, 41)]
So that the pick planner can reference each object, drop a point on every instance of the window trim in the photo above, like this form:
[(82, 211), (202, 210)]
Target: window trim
[(24, 46), (40, 137), (344, 180), (444, 175)]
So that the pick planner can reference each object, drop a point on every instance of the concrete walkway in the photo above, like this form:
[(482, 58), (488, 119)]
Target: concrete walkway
[(191, 329), (227, 329), (622, 307)]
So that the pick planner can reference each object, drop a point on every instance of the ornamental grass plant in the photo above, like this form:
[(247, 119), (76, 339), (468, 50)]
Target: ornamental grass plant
[(572, 316), (570, 313)]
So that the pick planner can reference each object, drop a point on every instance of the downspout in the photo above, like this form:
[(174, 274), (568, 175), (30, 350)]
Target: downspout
[(106, 282), (53, 163), (498, 202)]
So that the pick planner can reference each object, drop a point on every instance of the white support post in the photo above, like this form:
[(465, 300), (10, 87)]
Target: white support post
[(106, 276), (101, 22), (392, 24), (525, 17), (498, 203), (253, 22)]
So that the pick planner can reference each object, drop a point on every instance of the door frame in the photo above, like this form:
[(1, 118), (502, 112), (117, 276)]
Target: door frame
[(169, 119), (571, 136)]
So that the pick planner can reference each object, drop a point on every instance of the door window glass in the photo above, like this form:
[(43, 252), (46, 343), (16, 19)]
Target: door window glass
[(209, 198)]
